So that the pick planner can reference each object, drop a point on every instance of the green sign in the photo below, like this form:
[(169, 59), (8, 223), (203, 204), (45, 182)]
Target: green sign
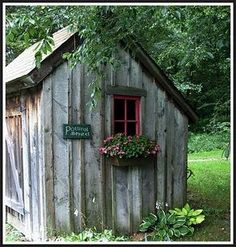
[(76, 131)]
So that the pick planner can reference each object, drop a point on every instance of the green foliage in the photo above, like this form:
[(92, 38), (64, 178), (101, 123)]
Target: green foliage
[(91, 235), (207, 141), (123, 146), (173, 224), (190, 43), (192, 216), (148, 223), (13, 235)]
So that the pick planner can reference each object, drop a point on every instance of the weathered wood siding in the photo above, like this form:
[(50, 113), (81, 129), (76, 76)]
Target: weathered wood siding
[(28, 158), (135, 190), (84, 189), (75, 186)]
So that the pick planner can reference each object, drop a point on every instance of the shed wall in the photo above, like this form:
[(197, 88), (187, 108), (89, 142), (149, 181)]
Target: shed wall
[(81, 188), (87, 190)]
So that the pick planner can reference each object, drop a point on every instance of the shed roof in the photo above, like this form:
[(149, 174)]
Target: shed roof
[(24, 66)]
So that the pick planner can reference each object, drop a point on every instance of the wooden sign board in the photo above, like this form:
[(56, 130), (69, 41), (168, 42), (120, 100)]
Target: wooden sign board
[(76, 131)]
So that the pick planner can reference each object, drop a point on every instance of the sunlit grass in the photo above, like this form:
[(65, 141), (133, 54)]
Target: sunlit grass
[(209, 189)]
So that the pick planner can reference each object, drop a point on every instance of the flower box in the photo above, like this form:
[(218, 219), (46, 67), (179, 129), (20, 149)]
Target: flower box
[(127, 148), (131, 161)]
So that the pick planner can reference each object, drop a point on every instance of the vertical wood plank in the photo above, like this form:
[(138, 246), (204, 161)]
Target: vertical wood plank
[(161, 126), (26, 169), (148, 171), (135, 78), (169, 153), (148, 189), (48, 161), (180, 154), (109, 222), (60, 147), (33, 129), (93, 169), (42, 219), (150, 108), (136, 210), (70, 150), (121, 196), (78, 148), (185, 158), (122, 73)]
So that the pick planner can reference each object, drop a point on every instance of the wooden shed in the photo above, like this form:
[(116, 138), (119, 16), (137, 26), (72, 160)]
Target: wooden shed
[(58, 184)]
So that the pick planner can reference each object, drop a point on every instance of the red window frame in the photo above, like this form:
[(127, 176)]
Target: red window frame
[(125, 120)]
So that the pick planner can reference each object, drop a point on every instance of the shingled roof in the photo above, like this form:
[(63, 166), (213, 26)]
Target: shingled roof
[(23, 72), (22, 65)]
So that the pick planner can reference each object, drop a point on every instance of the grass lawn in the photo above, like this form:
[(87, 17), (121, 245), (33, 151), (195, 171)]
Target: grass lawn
[(209, 189)]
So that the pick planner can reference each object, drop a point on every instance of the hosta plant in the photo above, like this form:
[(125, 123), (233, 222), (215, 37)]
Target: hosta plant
[(176, 223), (193, 217)]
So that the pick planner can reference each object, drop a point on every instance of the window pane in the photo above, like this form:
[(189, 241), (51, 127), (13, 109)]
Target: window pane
[(119, 127), (131, 128), (131, 110), (119, 107)]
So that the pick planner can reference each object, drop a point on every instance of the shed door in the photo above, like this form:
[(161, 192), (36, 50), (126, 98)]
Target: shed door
[(14, 166)]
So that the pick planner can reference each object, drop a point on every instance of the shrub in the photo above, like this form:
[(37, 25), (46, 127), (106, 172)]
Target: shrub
[(207, 141), (175, 223)]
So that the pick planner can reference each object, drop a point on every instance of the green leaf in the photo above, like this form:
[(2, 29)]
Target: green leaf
[(38, 59), (176, 233), (200, 219), (185, 212), (179, 224), (170, 232), (184, 230), (180, 218), (10, 36), (171, 219), (210, 55), (190, 213), (187, 207), (191, 229), (178, 210), (197, 212)]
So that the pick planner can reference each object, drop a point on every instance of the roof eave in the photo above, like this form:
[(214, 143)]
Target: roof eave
[(164, 81), (36, 75)]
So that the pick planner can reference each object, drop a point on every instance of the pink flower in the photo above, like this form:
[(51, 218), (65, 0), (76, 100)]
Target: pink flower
[(102, 150)]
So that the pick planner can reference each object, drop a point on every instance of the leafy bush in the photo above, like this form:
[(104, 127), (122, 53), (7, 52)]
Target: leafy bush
[(193, 217), (207, 142), (123, 146), (92, 235), (175, 223)]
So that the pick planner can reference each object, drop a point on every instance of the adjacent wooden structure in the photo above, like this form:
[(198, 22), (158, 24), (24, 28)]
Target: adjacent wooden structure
[(65, 184)]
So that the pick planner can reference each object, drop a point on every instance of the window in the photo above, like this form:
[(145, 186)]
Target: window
[(126, 115)]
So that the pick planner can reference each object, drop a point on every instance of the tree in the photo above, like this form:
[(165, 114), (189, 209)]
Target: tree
[(190, 43)]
